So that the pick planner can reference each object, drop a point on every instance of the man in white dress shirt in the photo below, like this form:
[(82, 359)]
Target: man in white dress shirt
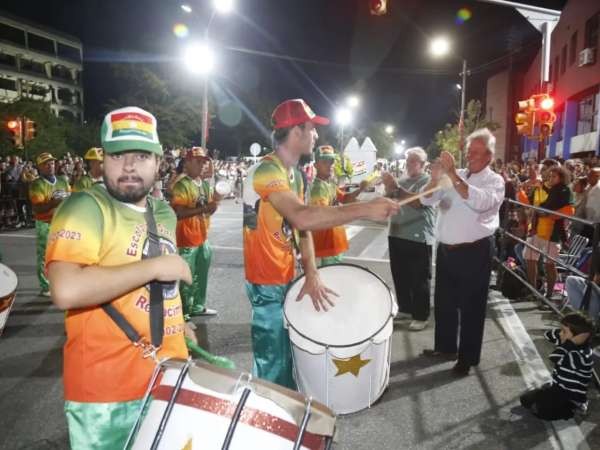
[(468, 218)]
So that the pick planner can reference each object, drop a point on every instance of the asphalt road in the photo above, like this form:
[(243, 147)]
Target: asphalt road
[(424, 407)]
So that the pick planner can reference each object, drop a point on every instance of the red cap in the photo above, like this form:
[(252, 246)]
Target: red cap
[(295, 112)]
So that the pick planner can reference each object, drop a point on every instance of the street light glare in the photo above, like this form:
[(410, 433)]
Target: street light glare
[(458, 86), (440, 46), (223, 6), (199, 58), (402, 142), (389, 129), (343, 116), (353, 101), (186, 8)]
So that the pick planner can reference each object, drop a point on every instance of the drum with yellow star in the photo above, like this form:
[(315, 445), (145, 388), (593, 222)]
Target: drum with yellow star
[(8, 289), (342, 356), (194, 405)]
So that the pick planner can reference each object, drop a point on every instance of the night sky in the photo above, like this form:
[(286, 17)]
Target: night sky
[(343, 49)]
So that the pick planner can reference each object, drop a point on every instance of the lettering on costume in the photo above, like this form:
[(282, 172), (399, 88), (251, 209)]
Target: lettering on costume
[(164, 231), (170, 330), (143, 303), (135, 240), (65, 234), (275, 184)]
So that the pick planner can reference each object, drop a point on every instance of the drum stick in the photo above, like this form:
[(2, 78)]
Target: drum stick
[(444, 183)]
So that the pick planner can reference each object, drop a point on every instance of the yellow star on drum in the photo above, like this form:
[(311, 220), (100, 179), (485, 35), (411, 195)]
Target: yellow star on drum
[(188, 445), (350, 365)]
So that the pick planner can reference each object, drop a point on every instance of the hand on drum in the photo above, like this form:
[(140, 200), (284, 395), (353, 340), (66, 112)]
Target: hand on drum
[(318, 293)]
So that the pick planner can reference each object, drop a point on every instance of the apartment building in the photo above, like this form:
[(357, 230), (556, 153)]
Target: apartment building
[(42, 64)]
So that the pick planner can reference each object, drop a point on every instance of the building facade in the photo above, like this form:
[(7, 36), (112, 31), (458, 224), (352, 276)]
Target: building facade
[(574, 85), (41, 64)]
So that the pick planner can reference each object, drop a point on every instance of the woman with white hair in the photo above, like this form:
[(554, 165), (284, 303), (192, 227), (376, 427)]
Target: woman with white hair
[(410, 240)]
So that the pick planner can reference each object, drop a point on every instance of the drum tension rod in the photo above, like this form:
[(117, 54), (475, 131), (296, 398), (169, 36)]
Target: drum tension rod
[(236, 418), (169, 407), (303, 424)]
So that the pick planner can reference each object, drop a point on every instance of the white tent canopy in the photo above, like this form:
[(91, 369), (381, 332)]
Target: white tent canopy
[(363, 158)]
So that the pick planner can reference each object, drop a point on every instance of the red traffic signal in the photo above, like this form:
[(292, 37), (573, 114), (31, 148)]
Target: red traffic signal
[(547, 103), (378, 7), (545, 116), (16, 130)]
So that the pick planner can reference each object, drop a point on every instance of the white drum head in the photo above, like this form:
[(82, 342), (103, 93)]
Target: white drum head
[(364, 306), (8, 281), (223, 188)]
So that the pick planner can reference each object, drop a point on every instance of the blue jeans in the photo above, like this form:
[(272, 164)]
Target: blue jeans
[(575, 287)]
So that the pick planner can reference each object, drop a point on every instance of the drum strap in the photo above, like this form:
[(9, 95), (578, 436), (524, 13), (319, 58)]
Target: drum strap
[(156, 298)]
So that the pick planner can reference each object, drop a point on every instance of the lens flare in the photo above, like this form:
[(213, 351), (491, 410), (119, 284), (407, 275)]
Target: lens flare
[(463, 15), (181, 30)]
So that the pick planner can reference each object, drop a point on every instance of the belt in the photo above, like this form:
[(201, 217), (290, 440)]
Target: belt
[(464, 244)]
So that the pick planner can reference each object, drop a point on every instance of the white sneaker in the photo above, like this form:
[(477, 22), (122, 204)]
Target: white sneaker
[(418, 325), (45, 293)]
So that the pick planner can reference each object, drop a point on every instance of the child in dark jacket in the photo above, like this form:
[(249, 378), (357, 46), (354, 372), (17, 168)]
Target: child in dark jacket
[(572, 359)]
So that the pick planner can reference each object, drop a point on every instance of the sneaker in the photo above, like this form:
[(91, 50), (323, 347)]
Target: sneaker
[(418, 325), (204, 312), (45, 293)]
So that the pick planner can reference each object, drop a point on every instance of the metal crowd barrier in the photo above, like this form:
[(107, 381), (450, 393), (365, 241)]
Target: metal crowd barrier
[(588, 277)]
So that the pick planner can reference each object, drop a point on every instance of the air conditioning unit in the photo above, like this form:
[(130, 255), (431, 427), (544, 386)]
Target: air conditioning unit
[(587, 56)]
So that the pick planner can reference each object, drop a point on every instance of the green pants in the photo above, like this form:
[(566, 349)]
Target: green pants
[(193, 296), (330, 260), (270, 340), (41, 232), (100, 426)]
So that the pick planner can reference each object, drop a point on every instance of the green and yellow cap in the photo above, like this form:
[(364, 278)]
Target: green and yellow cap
[(130, 128)]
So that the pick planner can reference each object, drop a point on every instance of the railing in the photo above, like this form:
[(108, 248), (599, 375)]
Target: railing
[(589, 276)]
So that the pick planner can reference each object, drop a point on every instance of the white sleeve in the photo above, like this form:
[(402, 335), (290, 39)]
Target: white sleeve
[(488, 197)]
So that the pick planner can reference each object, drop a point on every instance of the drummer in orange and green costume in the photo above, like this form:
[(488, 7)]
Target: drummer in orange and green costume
[(276, 224), (98, 254), (94, 158), (331, 243), (194, 202), (45, 194)]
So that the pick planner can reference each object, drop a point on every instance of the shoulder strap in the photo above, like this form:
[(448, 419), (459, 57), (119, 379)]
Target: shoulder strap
[(156, 297)]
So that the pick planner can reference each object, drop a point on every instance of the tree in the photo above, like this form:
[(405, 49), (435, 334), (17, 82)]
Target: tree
[(448, 138), (178, 114)]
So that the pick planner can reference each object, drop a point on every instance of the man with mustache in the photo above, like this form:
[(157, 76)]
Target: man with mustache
[(110, 245)]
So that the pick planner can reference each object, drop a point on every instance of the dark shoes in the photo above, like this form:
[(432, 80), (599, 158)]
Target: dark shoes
[(444, 356), (461, 369)]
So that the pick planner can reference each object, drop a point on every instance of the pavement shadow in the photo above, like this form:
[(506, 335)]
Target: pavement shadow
[(413, 364), (46, 363), (28, 330), (416, 385)]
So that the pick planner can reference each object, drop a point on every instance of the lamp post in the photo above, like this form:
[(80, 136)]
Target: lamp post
[(343, 116), (220, 6), (440, 46)]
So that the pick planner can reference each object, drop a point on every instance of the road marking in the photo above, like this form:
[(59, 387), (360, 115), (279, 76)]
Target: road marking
[(377, 248), (563, 435), (25, 236), (353, 230)]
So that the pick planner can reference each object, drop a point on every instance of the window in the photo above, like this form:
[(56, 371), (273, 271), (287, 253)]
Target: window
[(8, 84), (563, 60), (68, 52), (587, 120), (591, 31), (40, 44), (573, 49), (8, 60), (12, 34), (61, 72), (556, 68), (33, 66)]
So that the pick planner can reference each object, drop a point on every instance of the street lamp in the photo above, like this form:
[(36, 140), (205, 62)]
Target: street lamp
[(389, 129), (438, 47), (344, 117), (353, 101), (194, 59)]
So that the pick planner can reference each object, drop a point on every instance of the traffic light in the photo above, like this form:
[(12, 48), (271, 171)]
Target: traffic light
[(545, 114), (30, 130), (378, 7), (525, 118), (15, 128)]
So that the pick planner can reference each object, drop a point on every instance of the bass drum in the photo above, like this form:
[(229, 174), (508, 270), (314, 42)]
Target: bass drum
[(8, 293), (342, 356), (200, 406)]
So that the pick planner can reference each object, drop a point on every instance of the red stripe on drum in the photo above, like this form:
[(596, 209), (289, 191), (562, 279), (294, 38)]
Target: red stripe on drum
[(250, 416)]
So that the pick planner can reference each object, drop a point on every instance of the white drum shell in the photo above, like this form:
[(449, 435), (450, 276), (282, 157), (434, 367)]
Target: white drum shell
[(361, 324), (8, 288), (207, 430)]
